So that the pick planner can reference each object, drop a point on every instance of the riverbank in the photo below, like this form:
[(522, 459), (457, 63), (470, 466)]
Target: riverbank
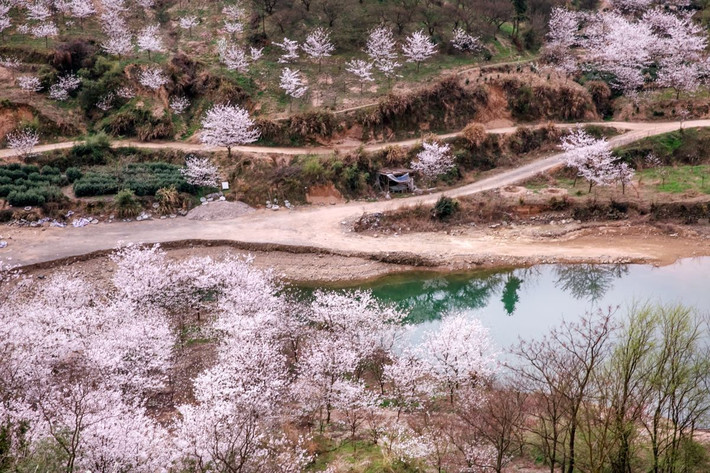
[(463, 249)]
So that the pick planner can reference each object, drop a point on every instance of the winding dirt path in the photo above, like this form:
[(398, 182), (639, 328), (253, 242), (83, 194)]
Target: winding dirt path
[(640, 130), (327, 227)]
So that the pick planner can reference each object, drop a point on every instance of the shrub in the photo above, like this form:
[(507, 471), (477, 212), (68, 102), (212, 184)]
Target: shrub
[(445, 207), (475, 134), (126, 204), (21, 199), (168, 199), (73, 174)]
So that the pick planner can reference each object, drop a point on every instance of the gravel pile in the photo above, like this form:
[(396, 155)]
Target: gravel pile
[(219, 210)]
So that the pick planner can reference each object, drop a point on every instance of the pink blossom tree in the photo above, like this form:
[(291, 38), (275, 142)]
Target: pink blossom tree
[(292, 84), (459, 354), (290, 48), (360, 69), (45, 30), (464, 41), (233, 57), (179, 104), (434, 160), (148, 40), (381, 48), (23, 141), (152, 78), (591, 157), (29, 83), (318, 45), (188, 23), (228, 126), (417, 48), (200, 172)]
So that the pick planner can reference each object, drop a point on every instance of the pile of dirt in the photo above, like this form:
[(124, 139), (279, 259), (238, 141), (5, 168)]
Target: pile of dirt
[(220, 210)]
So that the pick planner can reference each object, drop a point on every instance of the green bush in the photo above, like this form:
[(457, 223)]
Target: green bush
[(73, 174), (21, 199), (23, 185), (144, 179), (126, 204), (445, 207)]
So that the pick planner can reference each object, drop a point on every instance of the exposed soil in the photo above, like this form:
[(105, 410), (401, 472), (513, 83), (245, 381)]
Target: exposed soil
[(219, 210)]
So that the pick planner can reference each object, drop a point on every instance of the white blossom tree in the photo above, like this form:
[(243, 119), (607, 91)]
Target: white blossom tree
[(23, 141), (119, 43), (434, 160), (66, 84), (152, 78), (200, 172), (464, 41), (29, 83), (82, 9), (360, 69), (188, 23), (590, 157), (318, 45), (459, 354), (417, 48), (5, 21), (381, 47), (290, 48), (228, 126), (179, 104), (255, 53), (148, 40), (232, 56), (292, 84), (45, 30)]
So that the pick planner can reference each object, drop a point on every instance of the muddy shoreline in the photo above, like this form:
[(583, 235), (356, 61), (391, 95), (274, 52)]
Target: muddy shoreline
[(303, 264)]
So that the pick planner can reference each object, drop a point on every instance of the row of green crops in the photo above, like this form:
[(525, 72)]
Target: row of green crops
[(24, 185), (144, 179)]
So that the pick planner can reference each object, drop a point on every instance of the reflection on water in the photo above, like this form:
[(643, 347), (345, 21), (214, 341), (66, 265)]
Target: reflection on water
[(588, 281), (528, 301)]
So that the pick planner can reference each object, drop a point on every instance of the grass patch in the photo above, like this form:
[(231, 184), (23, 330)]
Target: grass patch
[(676, 180)]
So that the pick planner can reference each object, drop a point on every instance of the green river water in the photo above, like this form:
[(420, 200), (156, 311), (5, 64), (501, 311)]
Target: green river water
[(526, 302)]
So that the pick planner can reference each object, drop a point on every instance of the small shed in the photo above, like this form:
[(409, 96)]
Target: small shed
[(395, 180)]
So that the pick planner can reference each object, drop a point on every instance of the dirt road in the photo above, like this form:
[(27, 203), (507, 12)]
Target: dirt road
[(326, 227), (637, 130)]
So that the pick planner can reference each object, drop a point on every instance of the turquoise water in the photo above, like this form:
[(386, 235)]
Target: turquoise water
[(526, 302)]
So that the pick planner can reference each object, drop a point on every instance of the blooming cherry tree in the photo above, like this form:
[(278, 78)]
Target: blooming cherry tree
[(458, 354), (318, 45), (591, 157), (464, 41), (434, 160), (381, 48), (29, 83), (152, 78), (361, 69), (179, 104), (45, 30), (292, 83), (200, 172), (23, 141), (255, 53), (66, 84), (418, 48), (81, 9), (228, 126), (290, 48), (188, 22), (148, 40), (232, 56)]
